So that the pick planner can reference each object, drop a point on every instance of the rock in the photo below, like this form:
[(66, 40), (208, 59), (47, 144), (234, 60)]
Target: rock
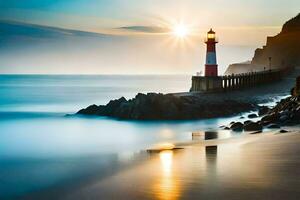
[(264, 123), (237, 126), (253, 126), (272, 117), (283, 118), (251, 116), (226, 128), (231, 123), (273, 126), (247, 122), (283, 131), (263, 110), (242, 117)]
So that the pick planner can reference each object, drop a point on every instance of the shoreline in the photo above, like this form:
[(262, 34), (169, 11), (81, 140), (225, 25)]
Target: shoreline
[(262, 144), (250, 145)]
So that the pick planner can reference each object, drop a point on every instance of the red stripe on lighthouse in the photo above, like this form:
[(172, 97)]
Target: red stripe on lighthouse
[(211, 48)]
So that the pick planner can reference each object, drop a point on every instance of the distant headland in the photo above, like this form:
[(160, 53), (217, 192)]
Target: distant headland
[(282, 50)]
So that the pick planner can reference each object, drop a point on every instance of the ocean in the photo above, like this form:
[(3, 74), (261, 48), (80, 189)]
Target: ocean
[(42, 148)]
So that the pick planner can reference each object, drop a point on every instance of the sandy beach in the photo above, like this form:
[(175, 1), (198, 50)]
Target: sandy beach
[(259, 166)]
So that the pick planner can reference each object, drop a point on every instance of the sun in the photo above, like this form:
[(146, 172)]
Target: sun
[(180, 30)]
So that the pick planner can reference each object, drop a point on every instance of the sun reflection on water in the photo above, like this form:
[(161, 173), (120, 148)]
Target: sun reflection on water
[(166, 187), (166, 162)]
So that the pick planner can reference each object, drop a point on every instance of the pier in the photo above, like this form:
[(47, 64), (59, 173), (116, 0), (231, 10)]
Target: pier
[(236, 81)]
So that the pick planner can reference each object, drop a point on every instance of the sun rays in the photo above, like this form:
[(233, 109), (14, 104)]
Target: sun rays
[(181, 30)]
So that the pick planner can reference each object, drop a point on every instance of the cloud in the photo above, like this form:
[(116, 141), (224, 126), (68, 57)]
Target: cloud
[(15, 29), (145, 29)]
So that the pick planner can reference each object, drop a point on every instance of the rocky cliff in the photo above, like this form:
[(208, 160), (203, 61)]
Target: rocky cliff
[(283, 49)]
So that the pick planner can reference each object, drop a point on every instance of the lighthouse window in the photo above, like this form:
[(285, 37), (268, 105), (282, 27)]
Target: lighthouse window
[(210, 35)]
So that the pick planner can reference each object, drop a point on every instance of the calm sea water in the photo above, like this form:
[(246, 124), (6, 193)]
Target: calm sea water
[(41, 148)]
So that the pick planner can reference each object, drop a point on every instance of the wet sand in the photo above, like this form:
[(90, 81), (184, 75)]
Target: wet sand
[(262, 166)]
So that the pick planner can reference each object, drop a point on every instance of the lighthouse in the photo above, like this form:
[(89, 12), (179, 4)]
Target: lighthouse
[(211, 66), (210, 81)]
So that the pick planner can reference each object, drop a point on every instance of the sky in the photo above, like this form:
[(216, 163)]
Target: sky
[(241, 25)]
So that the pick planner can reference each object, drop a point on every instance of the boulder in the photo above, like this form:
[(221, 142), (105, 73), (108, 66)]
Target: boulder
[(273, 126), (264, 123), (253, 126), (247, 122), (263, 110), (272, 117), (237, 126), (283, 118), (251, 116), (283, 131)]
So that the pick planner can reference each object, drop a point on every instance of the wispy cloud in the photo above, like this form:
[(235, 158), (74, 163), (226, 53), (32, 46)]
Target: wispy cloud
[(145, 29)]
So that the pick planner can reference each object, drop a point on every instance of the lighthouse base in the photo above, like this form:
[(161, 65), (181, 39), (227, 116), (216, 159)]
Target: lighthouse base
[(201, 83)]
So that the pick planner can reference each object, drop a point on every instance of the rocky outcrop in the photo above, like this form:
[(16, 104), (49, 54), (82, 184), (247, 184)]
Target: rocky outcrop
[(286, 112), (153, 106), (283, 50)]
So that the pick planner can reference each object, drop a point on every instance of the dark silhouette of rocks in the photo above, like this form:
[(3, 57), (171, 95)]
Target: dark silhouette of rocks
[(286, 112), (153, 106)]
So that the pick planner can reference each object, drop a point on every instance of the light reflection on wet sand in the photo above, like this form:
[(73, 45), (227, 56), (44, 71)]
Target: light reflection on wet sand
[(165, 186), (264, 167)]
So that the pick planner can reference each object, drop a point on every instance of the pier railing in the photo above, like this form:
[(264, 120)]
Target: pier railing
[(237, 81)]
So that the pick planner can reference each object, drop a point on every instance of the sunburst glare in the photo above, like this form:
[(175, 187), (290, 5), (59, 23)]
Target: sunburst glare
[(180, 30)]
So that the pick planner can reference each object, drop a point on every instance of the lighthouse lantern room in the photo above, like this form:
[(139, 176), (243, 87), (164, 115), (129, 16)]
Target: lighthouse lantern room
[(211, 67)]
